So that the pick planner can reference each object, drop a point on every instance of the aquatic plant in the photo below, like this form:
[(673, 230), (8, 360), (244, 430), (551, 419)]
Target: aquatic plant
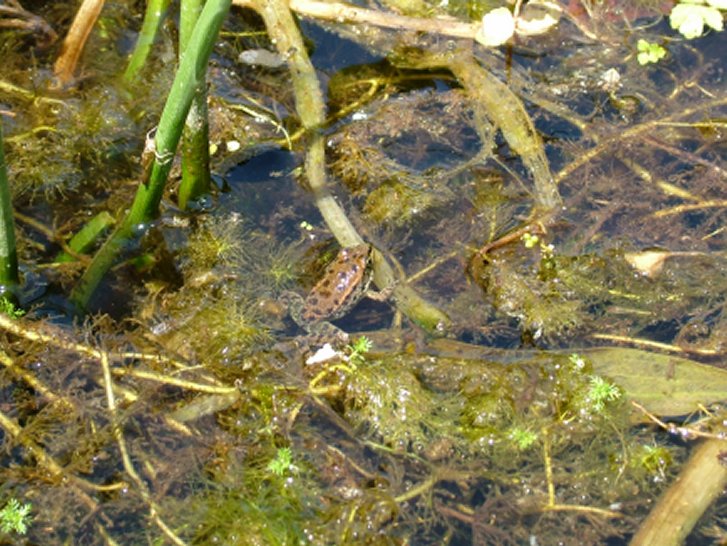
[(183, 414), (358, 349), (15, 518), (189, 77), (649, 53), (282, 463), (8, 254), (10, 309)]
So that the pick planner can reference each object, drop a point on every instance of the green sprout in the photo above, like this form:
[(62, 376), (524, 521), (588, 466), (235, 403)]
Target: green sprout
[(649, 53), (522, 438), (577, 361), (601, 392), (358, 348), (15, 518), (547, 255), (690, 16), (282, 463), (8, 308)]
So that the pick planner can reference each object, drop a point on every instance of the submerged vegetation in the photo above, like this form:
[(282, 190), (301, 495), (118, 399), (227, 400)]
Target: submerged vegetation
[(15, 518), (531, 208)]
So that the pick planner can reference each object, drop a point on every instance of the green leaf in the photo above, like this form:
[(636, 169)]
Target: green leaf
[(663, 384), (649, 53), (8, 308), (282, 462)]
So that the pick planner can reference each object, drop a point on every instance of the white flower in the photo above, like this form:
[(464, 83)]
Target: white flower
[(689, 19), (497, 27)]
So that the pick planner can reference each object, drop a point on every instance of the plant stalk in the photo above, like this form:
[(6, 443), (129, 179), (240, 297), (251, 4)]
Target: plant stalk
[(189, 78), (155, 12), (195, 142), (8, 252)]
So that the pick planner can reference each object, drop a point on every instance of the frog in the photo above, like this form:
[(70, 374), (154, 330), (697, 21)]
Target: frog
[(344, 283)]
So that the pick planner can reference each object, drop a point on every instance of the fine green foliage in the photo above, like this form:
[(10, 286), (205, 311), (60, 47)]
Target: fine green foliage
[(649, 52), (282, 463), (601, 392), (495, 433), (533, 292), (689, 17), (396, 408), (522, 438), (253, 502), (15, 518), (358, 348), (654, 459), (8, 308)]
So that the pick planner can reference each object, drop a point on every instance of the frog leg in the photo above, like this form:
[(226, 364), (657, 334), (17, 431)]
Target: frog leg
[(381, 295)]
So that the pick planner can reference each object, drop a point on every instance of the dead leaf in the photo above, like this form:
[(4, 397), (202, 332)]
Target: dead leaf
[(663, 384)]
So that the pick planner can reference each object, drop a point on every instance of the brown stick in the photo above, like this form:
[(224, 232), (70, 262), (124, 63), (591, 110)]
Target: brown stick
[(696, 488), (339, 12), (76, 39)]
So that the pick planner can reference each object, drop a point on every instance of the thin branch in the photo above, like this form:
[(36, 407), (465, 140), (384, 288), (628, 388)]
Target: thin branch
[(126, 460)]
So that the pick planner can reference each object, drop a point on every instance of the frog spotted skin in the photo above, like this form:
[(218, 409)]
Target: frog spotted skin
[(343, 284)]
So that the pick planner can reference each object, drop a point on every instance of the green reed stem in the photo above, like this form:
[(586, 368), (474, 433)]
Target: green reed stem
[(195, 142), (188, 80), (8, 254), (83, 241), (155, 11)]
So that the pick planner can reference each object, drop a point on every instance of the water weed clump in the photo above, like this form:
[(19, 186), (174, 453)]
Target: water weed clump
[(220, 329), (532, 293), (8, 308), (15, 518), (247, 502), (217, 243), (388, 400), (654, 460)]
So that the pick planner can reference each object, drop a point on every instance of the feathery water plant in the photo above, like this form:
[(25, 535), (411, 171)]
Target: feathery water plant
[(15, 518)]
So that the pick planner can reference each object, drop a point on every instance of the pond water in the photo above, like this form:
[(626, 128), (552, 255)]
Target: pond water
[(546, 222)]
